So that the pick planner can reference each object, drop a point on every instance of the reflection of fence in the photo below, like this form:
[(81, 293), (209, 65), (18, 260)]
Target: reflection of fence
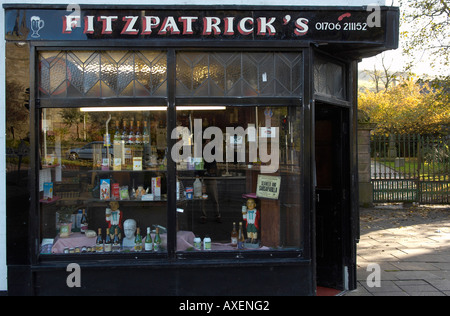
[(410, 168)]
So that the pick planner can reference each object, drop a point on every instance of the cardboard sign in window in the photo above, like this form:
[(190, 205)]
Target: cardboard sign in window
[(268, 187)]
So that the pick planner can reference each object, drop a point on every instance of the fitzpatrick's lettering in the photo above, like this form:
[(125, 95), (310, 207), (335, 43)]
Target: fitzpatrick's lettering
[(183, 25)]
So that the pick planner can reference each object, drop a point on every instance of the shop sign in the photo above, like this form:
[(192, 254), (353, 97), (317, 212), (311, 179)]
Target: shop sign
[(268, 187), (79, 24)]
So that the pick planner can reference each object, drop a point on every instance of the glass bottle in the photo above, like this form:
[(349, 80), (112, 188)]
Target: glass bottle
[(241, 238), (138, 241), (108, 244), (157, 241), (148, 241), (125, 132), (116, 241), (138, 137), (99, 247), (131, 135), (84, 222), (146, 134), (234, 236)]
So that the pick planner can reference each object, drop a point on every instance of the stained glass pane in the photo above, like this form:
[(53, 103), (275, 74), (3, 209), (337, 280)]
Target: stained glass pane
[(329, 78), (107, 74), (237, 74), (91, 72)]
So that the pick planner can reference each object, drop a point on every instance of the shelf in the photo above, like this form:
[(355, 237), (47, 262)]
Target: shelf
[(125, 171), (53, 200)]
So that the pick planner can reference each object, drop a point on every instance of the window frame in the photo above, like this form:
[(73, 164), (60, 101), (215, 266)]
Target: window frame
[(171, 101)]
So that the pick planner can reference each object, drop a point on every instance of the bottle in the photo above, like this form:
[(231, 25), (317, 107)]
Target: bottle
[(138, 241), (148, 241), (241, 238), (146, 134), (84, 222), (125, 132), (108, 244), (99, 247), (157, 241), (197, 243), (197, 188), (234, 236), (138, 137), (117, 135), (207, 243), (131, 135), (116, 241)]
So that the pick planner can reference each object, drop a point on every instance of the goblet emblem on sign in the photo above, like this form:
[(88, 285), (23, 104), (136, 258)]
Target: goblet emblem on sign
[(36, 25)]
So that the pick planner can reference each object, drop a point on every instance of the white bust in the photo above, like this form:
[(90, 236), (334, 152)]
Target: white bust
[(129, 227)]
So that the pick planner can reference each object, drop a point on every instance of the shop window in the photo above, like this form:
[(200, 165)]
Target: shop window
[(246, 172), (81, 74), (239, 74), (329, 78), (110, 165)]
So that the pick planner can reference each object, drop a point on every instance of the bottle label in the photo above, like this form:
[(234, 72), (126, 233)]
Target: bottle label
[(148, 246), (234, 241), (84, 228), (206, 244), (108, 247), (99, 248)]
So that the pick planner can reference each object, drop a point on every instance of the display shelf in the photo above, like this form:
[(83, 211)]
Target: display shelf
[(47, 201)]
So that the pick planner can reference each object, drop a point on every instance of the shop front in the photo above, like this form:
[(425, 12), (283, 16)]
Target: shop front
[(191, 150)]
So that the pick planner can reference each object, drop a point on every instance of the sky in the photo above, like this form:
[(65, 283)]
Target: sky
[(395, 61)]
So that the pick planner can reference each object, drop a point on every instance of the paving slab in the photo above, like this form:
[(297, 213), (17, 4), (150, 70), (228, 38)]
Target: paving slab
[(412, 247)]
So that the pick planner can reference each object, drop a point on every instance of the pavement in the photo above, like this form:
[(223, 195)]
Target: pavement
[(406, 248)]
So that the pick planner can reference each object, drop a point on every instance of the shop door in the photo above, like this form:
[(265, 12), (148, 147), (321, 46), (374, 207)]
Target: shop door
[(331, 202)]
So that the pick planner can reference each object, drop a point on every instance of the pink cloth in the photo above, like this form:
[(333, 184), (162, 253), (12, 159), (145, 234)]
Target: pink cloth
[(185, 239), (74, 240)]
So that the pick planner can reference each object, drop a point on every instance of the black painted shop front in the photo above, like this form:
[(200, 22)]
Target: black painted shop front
[(269, 93)]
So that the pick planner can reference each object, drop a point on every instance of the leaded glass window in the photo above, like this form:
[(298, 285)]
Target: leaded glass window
[(329, 78), (88, 74), (239, 74)]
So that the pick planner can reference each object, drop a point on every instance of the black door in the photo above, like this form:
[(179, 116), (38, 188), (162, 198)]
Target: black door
[(332, 152)]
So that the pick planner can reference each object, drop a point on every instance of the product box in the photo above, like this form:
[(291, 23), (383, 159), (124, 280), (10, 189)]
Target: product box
[(189, 193), (156, 187), (117, 164), (105, 164), (115, 192), (105, 189), (137, 163), (48, 191)]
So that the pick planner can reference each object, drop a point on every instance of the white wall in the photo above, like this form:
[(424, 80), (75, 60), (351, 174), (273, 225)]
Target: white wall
[(3, 269)]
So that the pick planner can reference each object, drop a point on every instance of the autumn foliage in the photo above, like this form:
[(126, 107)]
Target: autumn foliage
[(411, 107)]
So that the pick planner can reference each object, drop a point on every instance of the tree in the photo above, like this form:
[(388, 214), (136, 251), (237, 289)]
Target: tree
[(428, 24), (16, 111), (408, 108), (382, 78), (72, 116)]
